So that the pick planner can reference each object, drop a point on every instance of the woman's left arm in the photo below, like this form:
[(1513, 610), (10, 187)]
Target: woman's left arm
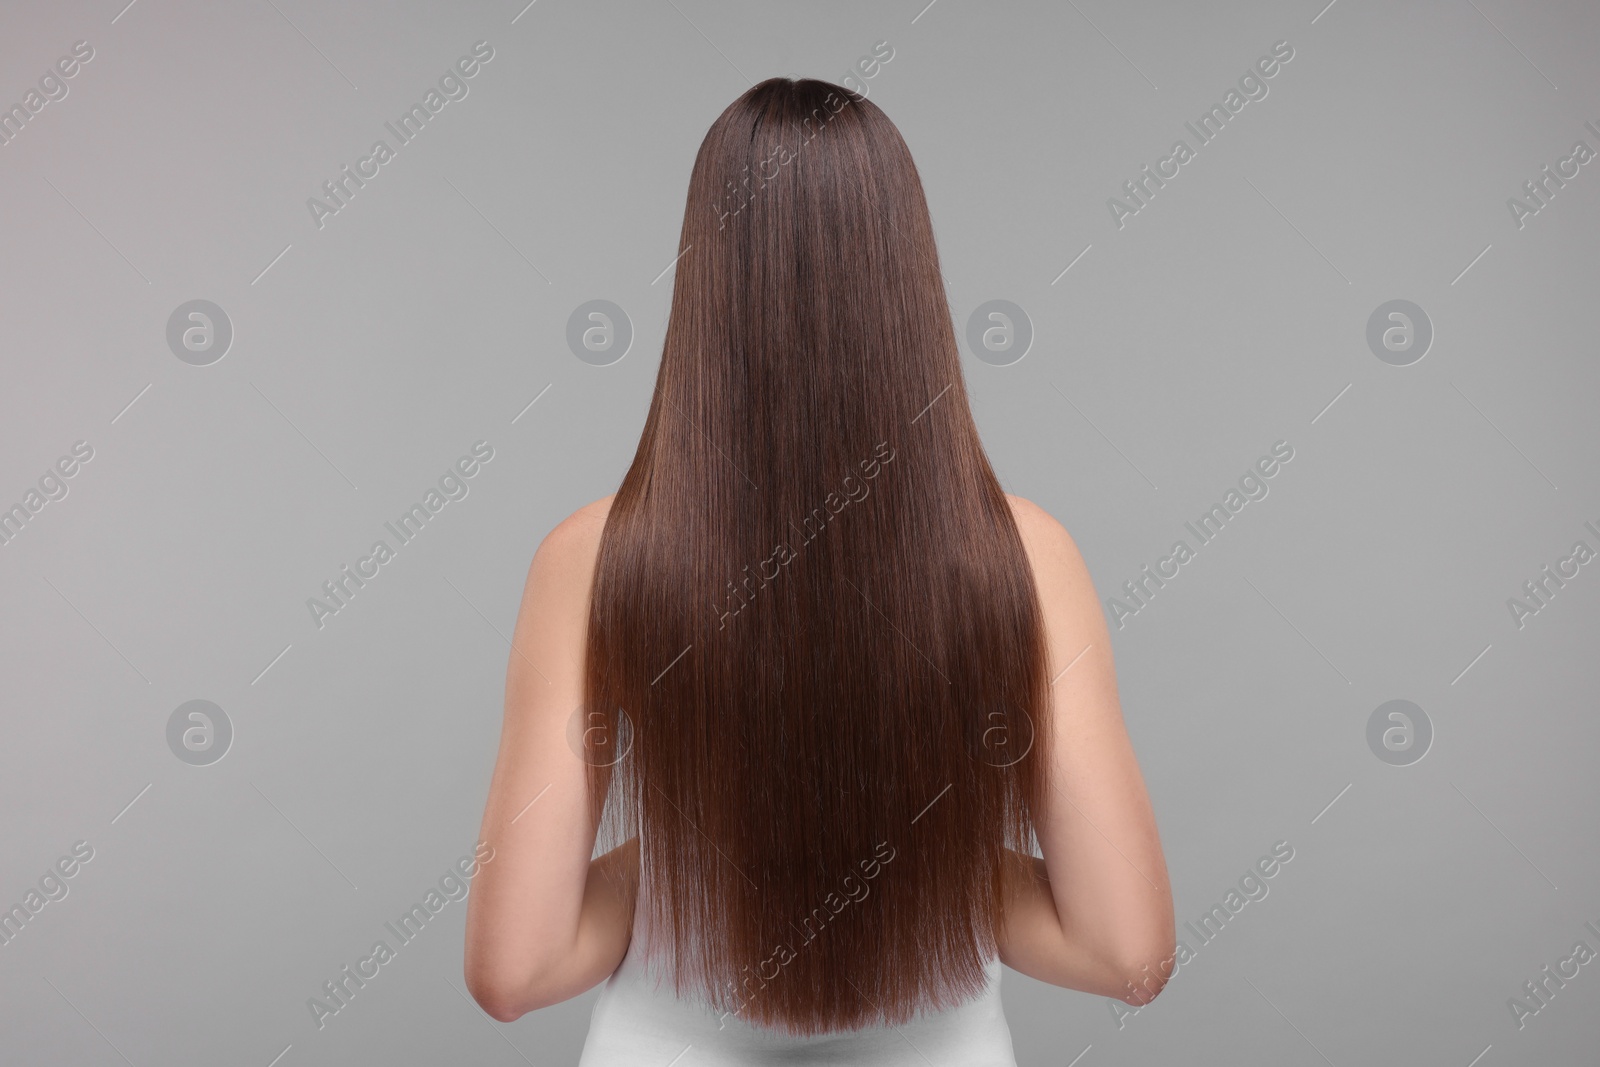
[(543, 922)]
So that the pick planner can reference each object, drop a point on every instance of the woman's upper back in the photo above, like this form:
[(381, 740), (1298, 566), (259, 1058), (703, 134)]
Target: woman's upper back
[(579, 936)]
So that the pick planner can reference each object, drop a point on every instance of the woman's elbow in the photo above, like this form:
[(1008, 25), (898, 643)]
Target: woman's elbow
[(1145, 974), (503, 996)]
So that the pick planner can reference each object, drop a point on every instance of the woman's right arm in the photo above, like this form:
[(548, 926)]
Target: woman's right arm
[(1095, 913)]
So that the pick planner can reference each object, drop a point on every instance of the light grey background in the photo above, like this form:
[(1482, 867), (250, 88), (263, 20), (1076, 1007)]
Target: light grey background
[(370, 353)]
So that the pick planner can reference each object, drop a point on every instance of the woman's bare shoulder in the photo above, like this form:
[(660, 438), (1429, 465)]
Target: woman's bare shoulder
[(1040, 530), (562, 567), (1062, 576), (589, 519), (575, 539)]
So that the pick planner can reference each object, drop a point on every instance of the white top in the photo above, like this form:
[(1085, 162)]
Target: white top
[(639, 1021)]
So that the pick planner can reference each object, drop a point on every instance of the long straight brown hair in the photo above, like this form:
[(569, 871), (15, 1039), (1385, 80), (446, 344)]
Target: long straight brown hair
[(814, 630)]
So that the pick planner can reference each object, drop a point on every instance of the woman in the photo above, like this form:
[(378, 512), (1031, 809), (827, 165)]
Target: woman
[(822, 678)]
